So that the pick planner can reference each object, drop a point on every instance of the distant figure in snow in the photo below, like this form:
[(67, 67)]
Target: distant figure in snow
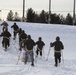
[(6, 39), (40, 45), (58, 46), (15, 28), (5, 26), (22, 38), (19, 33)]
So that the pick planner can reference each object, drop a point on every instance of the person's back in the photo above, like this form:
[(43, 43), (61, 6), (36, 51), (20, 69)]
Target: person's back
[(5, 25), (19, 31), (29, 44), (58, 46), (29, 50), (23, 35), (6, 37), (6, 34), (22, 39), (15, 27), (40, 43)]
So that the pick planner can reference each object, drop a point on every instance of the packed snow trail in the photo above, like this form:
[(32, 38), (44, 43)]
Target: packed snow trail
[(48, 32)]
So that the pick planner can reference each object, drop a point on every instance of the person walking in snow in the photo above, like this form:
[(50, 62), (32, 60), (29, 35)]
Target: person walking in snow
[(15, 28), (40, 45), (5, 26), (19, 33), (6, 39), (58, 46), (22, 38), (29, 49)]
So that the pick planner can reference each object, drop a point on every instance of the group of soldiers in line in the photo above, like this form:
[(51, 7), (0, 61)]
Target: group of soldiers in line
[(27, 43)]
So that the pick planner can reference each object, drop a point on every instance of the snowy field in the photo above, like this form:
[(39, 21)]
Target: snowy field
[(48, 32)]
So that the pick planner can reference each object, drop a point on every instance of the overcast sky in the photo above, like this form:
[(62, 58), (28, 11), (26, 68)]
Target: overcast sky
[(38, 5)]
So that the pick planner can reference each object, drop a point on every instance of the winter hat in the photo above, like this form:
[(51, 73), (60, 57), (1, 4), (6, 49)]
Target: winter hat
[(57, 38)]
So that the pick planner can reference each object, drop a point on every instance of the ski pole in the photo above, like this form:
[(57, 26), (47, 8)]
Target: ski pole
[(18, 58), (48, 53), (62, 57), (35, 57), (43, 52)]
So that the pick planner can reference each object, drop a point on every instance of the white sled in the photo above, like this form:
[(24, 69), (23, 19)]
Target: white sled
[(22, 57)]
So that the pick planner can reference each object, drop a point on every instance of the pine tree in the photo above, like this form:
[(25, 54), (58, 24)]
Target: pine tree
[(30, 15)]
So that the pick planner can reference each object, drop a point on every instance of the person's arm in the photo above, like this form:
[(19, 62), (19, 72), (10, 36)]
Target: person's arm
[(12, 26), (62, 46), (43, 43), (9, 34), (36, 43), (52, 44)]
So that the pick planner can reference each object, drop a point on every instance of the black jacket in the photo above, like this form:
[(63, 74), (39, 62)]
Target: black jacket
[(29, 44), (58, 45), (40, 44), (6, 34), (15, 27), (23, 36)]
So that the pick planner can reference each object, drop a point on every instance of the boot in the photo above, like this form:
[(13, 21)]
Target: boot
[(32, 64), (55, 65)]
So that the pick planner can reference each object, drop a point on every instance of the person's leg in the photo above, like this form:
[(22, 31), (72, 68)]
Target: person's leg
[(3, 43), (56, 63), (8, 43), (59, 57), (15, 35), (26, 57), (40, 53), (37, 52), (32, 58)]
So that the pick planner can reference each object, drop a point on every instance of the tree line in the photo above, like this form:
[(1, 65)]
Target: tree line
[(42, 17)]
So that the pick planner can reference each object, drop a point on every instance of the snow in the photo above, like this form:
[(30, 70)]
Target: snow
[(48, 32)]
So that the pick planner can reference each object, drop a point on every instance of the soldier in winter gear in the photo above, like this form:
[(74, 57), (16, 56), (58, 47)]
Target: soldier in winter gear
[(40, 45), (19, 33), (29, 49), (15, 28), (22, 39), (58, 46), (5, 26), (6, 38)]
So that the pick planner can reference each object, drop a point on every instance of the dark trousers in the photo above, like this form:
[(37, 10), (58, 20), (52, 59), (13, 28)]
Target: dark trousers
[(15, 33), (57, 58), (30, 53), (5, 43), (39, 51)]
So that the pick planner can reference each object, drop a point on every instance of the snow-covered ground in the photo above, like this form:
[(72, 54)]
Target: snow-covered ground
[(48, 32)]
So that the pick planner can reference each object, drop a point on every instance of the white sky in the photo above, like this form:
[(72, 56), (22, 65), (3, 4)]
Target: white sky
[(37, 5)]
